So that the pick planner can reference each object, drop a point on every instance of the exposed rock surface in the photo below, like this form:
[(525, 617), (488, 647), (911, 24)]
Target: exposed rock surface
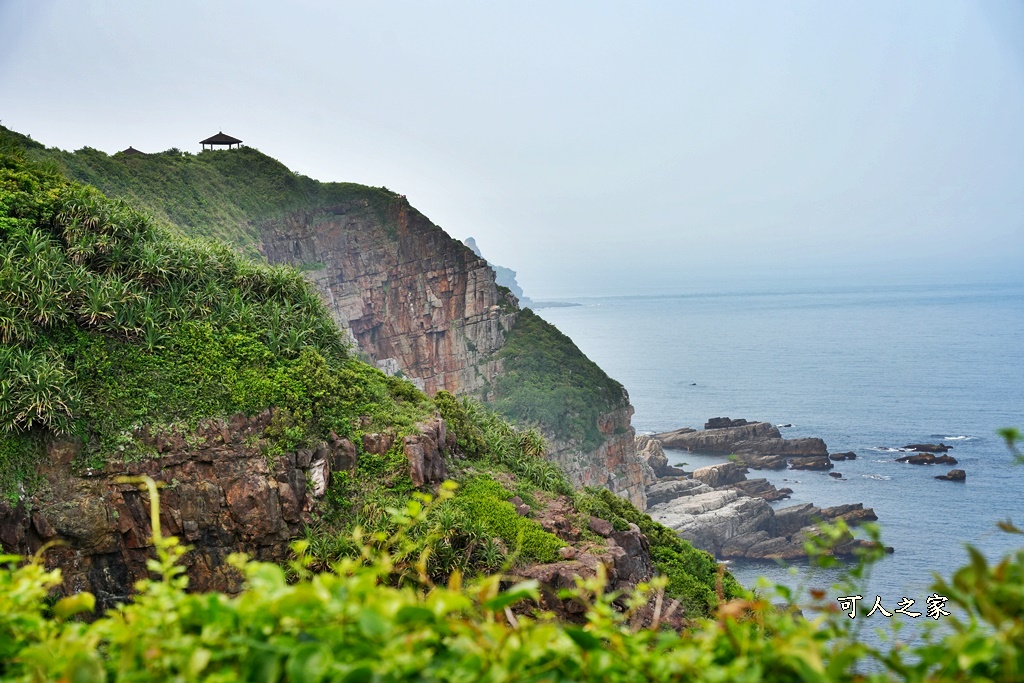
[(615, 464), (720, 440), (724, 423), (762, 462), (799, 448), (762, 488), (757, 445), (928, 459), (811, 463), (220, 493), (721, 511), (650, 451), (721, 475), (928, 447), (849, 455), (402, 289), (953, 475), (506, 277), (417, 301), (664, 491), (425, 452), (625, 556), (733, 526)]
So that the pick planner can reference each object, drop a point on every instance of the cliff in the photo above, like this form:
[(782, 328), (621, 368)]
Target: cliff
[(415, 302), (410, 297), (505, 277)]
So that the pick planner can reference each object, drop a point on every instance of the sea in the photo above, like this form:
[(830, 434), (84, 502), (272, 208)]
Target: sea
[(868, 369)]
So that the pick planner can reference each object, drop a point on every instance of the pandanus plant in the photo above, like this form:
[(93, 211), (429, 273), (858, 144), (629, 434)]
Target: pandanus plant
[(36, 390)]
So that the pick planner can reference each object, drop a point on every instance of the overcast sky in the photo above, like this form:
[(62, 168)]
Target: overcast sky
[(595, 147)]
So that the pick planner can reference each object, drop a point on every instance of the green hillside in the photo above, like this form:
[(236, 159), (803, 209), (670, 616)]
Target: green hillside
[(211, 194), (222, 195)]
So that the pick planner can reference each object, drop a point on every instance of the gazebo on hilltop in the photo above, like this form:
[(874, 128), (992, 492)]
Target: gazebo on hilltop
[(221, 139)]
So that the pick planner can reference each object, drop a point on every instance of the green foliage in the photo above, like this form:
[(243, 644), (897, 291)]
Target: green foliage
[(378, 616), (19, 456), (484, 435), (693, 575), (548, 381), (486, 501), (237, 195)]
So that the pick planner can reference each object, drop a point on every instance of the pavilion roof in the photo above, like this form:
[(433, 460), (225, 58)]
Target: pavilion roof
[(220, 139)]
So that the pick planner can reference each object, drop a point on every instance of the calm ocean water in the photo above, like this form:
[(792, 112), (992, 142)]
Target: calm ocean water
[(863, 368)]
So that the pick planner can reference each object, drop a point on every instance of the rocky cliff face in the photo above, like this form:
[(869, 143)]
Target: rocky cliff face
[(410, 297), (615, 465), (418, 302), (220, 493)]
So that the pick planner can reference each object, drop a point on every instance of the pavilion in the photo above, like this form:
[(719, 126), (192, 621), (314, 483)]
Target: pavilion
[(221, 139), (131, 151)]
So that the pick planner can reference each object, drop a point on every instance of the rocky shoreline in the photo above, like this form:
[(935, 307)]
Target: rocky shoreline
[(720, 510)]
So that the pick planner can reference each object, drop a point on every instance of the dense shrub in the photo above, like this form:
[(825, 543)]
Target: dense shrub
[(486, 501), (357, 623)]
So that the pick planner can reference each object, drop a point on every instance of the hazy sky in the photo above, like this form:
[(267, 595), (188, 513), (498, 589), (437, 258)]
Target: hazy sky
[(595, 147)]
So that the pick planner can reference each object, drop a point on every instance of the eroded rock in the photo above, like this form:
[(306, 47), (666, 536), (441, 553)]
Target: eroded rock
[(928, 459), (953, 475)]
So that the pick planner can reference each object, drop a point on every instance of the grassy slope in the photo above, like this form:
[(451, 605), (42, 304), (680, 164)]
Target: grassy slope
[(214, 194)]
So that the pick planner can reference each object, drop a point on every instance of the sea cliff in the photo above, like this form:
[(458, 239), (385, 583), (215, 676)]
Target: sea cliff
[(414, 301)]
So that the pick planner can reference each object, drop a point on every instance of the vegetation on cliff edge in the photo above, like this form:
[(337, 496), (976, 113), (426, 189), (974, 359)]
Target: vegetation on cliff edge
[(212, 194)]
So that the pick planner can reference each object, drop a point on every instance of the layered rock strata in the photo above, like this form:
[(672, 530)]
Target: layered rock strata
[(615, 464), (409, 296), (717, 514), (720, 510), (220, 493), (758, 445)]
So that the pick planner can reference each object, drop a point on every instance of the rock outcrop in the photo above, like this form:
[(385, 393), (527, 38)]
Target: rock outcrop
[(721, 511), (953, 475), (220, 493), (718, 440), (757, 445), (928, 459), (406, 293), (624, 554), (812, 463), (615, 464), (928, 447)]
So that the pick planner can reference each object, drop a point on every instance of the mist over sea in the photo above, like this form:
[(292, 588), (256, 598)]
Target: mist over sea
[(863, 368)]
